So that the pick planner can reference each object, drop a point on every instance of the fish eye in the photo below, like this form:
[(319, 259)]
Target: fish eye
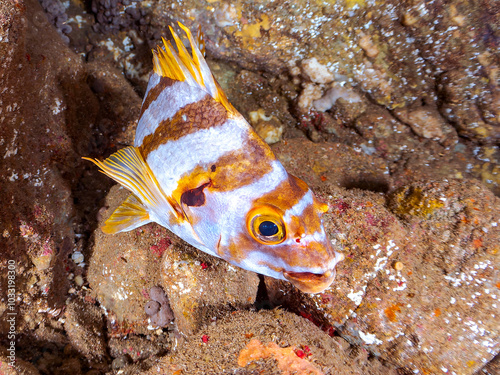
[(266, 226)]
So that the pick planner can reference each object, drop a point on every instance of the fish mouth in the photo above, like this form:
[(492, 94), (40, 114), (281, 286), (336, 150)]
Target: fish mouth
[(309, 282)]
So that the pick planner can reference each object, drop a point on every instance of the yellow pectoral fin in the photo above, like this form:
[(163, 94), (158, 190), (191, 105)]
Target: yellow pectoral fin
[(127, 167), (130, 215)]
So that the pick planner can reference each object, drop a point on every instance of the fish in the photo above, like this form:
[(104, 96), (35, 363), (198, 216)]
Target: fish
[(198, 168)]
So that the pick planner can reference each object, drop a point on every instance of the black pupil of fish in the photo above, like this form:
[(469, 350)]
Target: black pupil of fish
[(268, 228)]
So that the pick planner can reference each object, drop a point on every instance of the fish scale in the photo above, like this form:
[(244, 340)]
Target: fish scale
[(198, 168)]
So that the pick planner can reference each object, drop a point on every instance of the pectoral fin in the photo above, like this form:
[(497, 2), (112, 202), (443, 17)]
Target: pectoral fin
[(130, 215), (128, 167)]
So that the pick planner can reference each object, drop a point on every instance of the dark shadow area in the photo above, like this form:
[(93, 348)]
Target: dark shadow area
[(262, 301), (370, 184)]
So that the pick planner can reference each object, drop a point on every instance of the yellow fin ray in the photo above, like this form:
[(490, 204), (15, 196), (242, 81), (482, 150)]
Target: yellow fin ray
[(127, 167), (129, 215), (191, 63), (166, 63), (197, 56), (200, 38), (182, 66)]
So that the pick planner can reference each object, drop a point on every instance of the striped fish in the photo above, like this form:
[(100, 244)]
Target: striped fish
[(198, 169)]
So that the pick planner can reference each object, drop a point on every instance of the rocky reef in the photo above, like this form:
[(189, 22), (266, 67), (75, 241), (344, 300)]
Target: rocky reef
[(389, 110)]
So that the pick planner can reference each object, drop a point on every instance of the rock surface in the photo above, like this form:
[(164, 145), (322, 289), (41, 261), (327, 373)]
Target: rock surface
[(218, 346), (388, 110), (124, 267), (21, 367), (423, 291), (85, 328), (396, 57), (48, 119), (37, 140), (313, 162)]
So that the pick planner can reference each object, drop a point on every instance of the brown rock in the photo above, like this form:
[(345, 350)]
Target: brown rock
[(366, 43), (378, 123), (137, 347), (313, 162), (85, 328), (254, 96), (19, 367), (387, 137), (348, 110), (123, 267), (427, 300), (215, 348), (491, 368), (44, 105), (432, 162), (269, 40), (425, 122), (407, 51), (199, 285), (457, 87), (439, 311)]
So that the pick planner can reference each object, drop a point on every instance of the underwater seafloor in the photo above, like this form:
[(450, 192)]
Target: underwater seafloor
[(390, 110)]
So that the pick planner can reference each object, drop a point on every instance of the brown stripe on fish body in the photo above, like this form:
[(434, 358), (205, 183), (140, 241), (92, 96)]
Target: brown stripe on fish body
[(310, 219), (242, 167), (286, 195), (155, 91), (231, 171), (238, 248), (202, 114)]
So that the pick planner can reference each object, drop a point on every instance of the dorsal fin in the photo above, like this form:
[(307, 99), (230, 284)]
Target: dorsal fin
[(201, 41), (182, 66)]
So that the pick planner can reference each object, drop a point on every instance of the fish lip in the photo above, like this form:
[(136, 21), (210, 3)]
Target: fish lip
[(309, 282)]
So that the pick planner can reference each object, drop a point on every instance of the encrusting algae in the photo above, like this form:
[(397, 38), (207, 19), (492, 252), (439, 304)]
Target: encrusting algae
[(413, 201)]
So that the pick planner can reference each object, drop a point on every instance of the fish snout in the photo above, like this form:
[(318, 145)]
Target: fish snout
[(309, 282)]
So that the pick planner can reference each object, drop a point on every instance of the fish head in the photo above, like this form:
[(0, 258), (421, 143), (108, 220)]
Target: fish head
[(283, 237)]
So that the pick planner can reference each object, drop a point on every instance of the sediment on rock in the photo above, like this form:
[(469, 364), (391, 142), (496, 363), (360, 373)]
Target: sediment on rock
[(389, 110)]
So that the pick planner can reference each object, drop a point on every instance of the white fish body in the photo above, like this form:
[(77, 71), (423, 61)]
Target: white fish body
[(198, 169)]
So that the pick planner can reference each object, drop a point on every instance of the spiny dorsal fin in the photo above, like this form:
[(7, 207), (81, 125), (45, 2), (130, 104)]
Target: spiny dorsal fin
[(128, 168), (201, 41), (182, 66), (129, 215)]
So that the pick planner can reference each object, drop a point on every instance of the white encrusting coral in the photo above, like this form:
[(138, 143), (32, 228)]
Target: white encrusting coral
[(336, 92), (316, 72)]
